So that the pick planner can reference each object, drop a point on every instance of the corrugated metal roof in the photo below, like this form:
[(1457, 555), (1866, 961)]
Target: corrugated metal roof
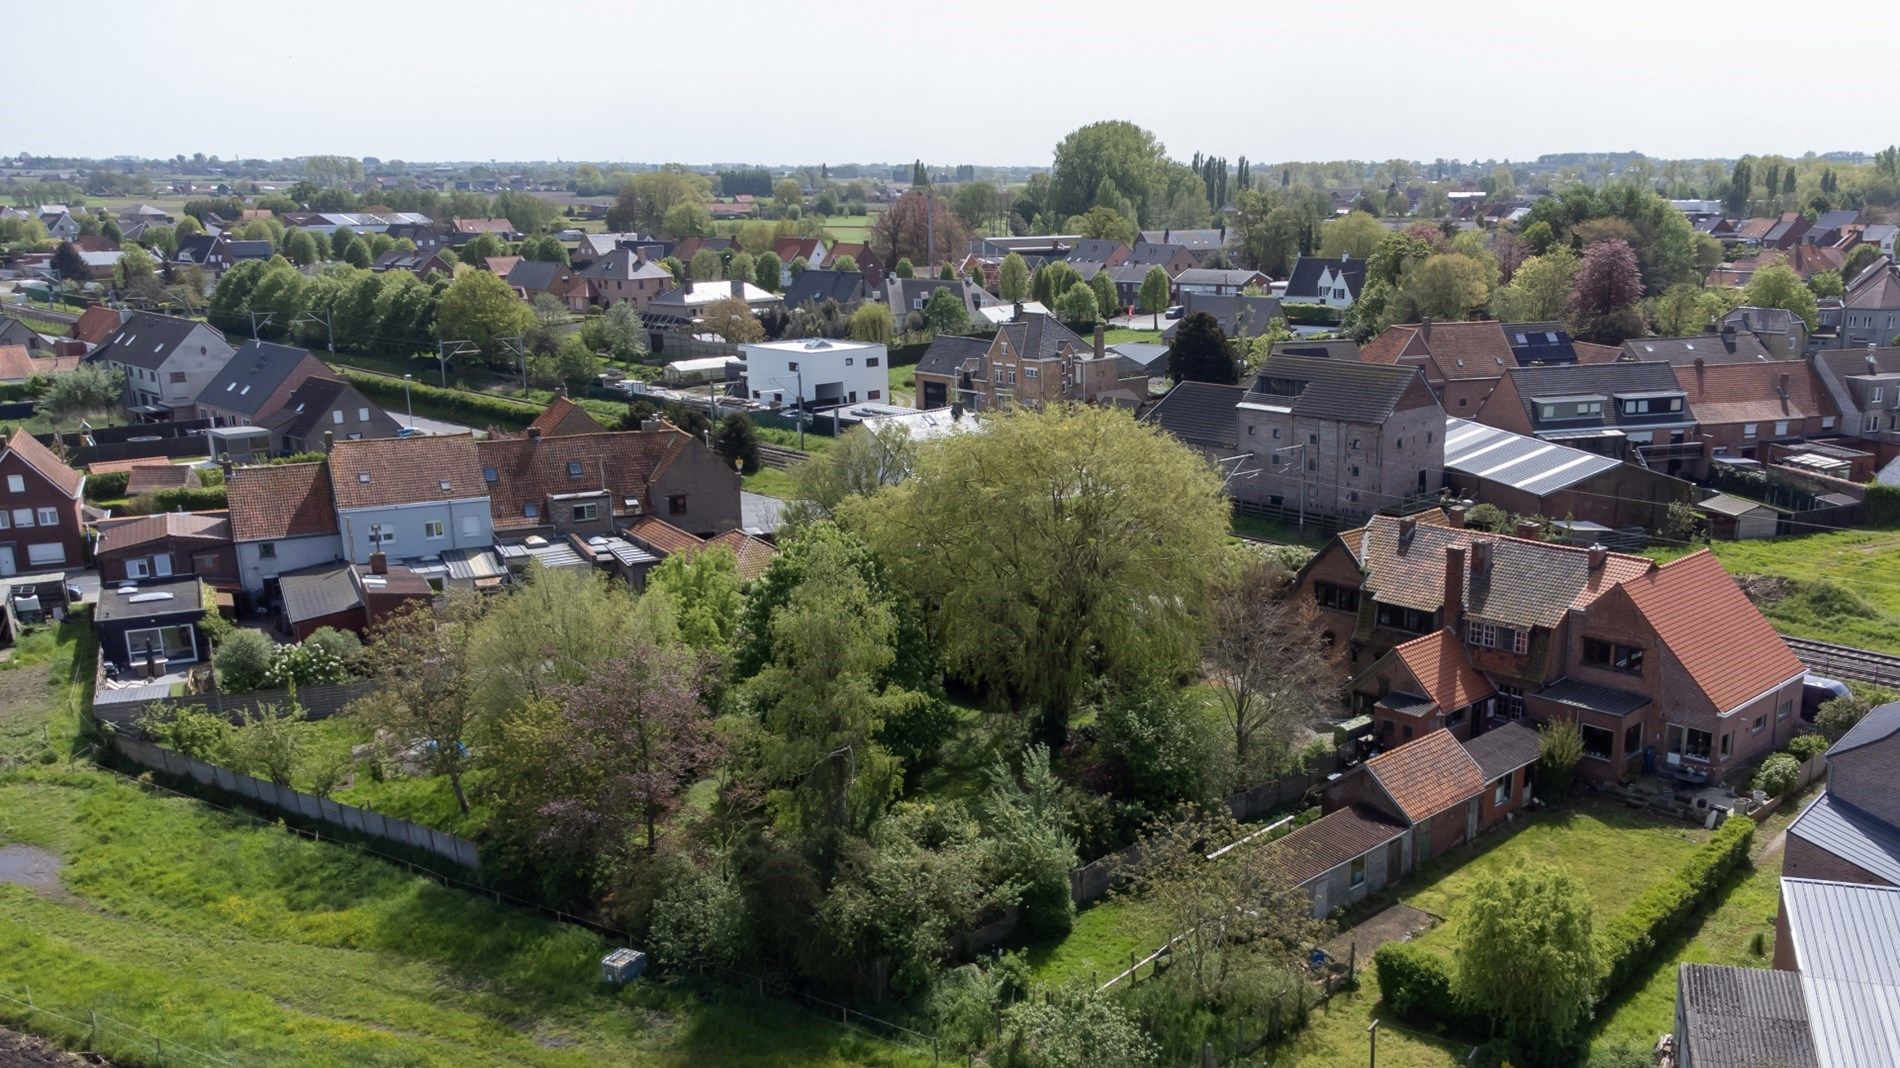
[(1861, 839), (551, 554), (1843, 930), (1607, 699), (1852, 1024), (1524, 463), (1736, 1017)]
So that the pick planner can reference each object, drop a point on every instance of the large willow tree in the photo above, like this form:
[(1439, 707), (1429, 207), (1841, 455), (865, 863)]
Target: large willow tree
[(1052, 546)]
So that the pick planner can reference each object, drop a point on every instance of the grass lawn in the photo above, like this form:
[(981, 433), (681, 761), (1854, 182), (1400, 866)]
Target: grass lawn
[(903, 383), (1097, 948), (1274, 530), (1615, 852), (1866, 564), (49, 327), (1725, 935), (1119, 335), (225, 934), (770, 481)]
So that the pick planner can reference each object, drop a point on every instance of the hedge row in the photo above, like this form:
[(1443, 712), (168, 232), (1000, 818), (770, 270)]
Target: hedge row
[(1883, 506), (1416, 983), (1632, 937), (480, 408), (1310, 314)]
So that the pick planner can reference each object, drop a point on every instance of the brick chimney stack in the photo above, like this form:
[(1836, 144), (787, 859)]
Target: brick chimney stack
[(1455, 587), (379, 563)]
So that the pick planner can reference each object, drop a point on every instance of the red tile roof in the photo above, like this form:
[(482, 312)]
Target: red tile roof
[(118, 535), (1752, 393), (527, 471), (482, 226), (1702, 617), (148, 477), (1427, 775), (94, 324), (41, 459), (1439, 663), (1386, 347), (1590, 352), (281, 501), (379, 472), (659, 535), (563, 416), (755, 554), (1334, 839)]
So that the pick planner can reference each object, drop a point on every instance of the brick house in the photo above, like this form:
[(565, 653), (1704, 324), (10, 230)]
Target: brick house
[(1033, 361), (622, 275), (1405, 806), (324, 409), (1864, 386), (1462, 362), (168, 544), (572, 288), (1851, 832), (1338, 439), (1661, 666), (867, 260), (595, 483), (283, 519), (1627, 411), (1739, 406), (258, 378), (41, 526)]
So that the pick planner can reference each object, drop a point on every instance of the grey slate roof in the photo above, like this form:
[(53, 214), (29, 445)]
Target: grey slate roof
[(1334, 389), (1737, 347), (1095, 250), (318, 591), (1857, 837), (1205, 276), (946, 354), (1605, 699), (1607, 379), (254, 372), (1878, 723), (1150, 356), (1209, 240), (1148, 254), (306, 406), (817, 286), (1532, 465), (1503, 749), (1304, 279), (1040, 337), (1330, 349), (1742, 1018), (1200, 413), (535, 275), (1230, 310), (145, 340)]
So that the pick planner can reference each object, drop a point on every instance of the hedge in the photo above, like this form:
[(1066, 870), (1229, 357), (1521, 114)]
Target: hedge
[(179, 499), (477, 406), (107, 485), (1883, 505), (1310, 314), (1416, 983), (1631, 939)]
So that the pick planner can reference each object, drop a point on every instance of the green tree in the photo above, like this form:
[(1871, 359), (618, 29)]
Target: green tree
[(871, 322), (1030, 844), (675, 268), (1077, 306), (845, 264), (340, 239), (302, 248), (1826, 284), (1052, 280), (732, 319), (1200, 352), (947, 273), (1156, 292), (1012, 277), (1448, 287), (858, 464), (1075, 1027), (1539, 289), (69, 265), (480, 308), (736, 440), (1777, 286), (135, 268), (688, 218), (945, 313), (1527, 954), (706, 266), (1353, 234), (1106, 300), (357, 254), (904, 268), (545, 249), (787, 198), (1560, 749), (703, 594), (243, 661), (1105, 223), (1115, 530), (425, 672), (766, 271), (1113, 164)]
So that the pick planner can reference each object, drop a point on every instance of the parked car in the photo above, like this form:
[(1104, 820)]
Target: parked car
[(1817, 690)]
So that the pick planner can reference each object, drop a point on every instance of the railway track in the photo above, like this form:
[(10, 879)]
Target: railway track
[(781, 457), (1846, 661)]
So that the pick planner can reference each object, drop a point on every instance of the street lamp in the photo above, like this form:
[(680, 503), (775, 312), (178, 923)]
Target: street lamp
[(407, 405)]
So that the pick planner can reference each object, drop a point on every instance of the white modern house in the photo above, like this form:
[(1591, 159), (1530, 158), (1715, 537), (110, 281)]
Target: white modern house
[(816, 371)]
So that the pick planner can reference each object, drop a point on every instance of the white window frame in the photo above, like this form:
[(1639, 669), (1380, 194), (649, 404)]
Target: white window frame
[(433, 529), (49, 517), (16, 483), (138, 567), (42, 553)]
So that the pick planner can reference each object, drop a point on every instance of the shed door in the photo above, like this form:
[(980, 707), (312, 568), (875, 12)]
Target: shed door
[(1471, 819), (8, 565)]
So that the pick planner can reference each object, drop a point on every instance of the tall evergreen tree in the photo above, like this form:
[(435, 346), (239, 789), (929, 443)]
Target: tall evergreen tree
[(1200, 352)]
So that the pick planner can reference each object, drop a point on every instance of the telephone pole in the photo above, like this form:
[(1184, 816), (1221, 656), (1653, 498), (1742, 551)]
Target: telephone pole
[(255, 324), (446, 350), (329, 330)]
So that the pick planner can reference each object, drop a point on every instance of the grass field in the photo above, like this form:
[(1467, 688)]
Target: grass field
[(1860, 601), (1614, 852), (225, 934), (770, 481), (1120, 335)]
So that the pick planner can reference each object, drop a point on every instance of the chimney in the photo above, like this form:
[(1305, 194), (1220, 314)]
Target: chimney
[(1598, 555), (329, 441), (1345, 256), (1223, 235), (1529, 530), (534, 433), (1700, 365), (379, 563), (1455, 517), (1786, 379), (1167, 236), (1454, 616), (1480, 556), (1017, 315), (1425, 328), (652, 425), (1101, 344), (1406, 524), (1728, 331)]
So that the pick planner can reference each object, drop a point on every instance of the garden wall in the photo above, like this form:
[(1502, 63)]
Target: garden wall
[(297, 804)]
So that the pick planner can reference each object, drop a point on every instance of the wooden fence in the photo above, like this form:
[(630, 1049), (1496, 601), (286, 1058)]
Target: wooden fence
[(296, 803)]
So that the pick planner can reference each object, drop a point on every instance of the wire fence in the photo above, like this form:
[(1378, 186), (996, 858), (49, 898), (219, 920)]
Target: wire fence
[(105, 1034)]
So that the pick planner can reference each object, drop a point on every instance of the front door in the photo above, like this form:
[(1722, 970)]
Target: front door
[(1471, 819), (8, 566)]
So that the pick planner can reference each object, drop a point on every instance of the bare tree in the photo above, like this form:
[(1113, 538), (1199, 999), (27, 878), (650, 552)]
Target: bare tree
[(1268, 660)]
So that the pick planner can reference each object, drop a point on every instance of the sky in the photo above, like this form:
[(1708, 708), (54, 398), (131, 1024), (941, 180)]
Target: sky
[(981, 81)]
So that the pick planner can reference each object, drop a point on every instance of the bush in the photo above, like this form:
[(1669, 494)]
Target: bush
[(179, 499), (1630, 940), (1805, 747), (339, 645), (1416, 985), (1777, 774), (107, 485), (1560, 748), (1883, 505), (243, 661), (478, 407), (1488, 517), (1167, 750)]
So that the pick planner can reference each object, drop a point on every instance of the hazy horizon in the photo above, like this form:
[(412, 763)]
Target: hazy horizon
[(431, 80)]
